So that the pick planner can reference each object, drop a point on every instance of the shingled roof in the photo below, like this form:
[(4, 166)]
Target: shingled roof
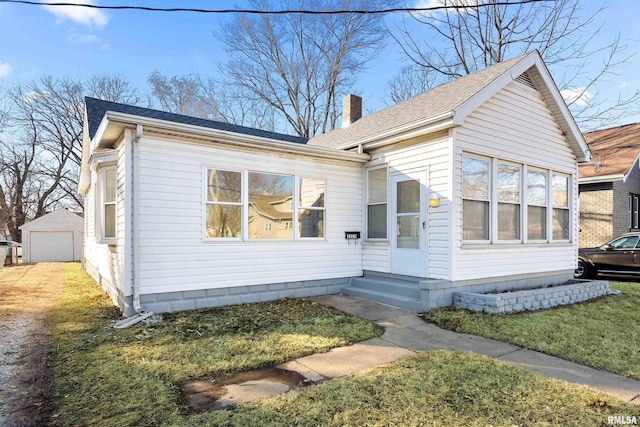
[(616, 150), (96, 109), (441, 99)]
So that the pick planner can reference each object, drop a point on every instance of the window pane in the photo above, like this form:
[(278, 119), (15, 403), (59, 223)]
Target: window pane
[(408, 196), (475, 220), (537, 188), (508, 183), (110, 185), (377, 221), (560, 194), (409, 232), (508, 221), (270, 201), (223, 186), (110, 221), (223, 221), (537, 219), (310, 223), (377, 185), (561, 224), (475, 178), (312, 193), (627, 242)]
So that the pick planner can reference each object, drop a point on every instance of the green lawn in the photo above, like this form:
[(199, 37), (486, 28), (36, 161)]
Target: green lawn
[(604, 333), (134, 377)]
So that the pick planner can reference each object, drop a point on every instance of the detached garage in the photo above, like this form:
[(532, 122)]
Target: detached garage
[(56, 236)]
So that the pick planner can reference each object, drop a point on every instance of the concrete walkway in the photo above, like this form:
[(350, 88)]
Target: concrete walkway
[(406, 334)]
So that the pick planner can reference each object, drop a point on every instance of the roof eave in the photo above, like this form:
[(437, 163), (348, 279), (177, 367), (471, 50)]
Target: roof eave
[(603, 178), (231, 138), (402, 133)]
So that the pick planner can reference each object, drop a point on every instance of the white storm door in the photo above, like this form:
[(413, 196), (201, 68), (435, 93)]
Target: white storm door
[(408, 224)]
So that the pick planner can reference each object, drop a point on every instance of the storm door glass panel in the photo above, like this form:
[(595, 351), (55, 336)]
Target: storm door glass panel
[(224, 204), (408, 215), (270, 206)]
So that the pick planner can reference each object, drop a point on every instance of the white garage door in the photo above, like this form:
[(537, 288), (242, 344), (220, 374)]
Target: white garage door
[(51, 246)]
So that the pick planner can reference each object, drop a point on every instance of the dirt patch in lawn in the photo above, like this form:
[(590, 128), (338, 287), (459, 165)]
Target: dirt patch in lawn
[(228, 391), (27, 295)]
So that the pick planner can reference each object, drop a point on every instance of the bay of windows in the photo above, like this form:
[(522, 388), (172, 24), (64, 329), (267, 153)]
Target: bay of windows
[(254, 205), (509, 202)]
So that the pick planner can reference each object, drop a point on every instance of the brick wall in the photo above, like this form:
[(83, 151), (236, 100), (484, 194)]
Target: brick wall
[(596, 214)]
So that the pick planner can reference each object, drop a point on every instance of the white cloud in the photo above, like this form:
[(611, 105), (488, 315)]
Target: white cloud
[(623, 85), (81, 15), (5, 69), (579, 96), (79, 38)]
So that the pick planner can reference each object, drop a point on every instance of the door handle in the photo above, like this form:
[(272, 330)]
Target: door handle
[(424, 223)]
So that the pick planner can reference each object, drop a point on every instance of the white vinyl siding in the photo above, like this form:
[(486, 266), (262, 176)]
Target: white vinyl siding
[(514, 126), (174, 256), (433, 155)]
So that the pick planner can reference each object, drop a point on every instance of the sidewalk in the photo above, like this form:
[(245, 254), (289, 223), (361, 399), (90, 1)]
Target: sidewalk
[(406, 334)]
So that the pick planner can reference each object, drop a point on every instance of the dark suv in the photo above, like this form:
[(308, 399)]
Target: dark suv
[(619, 256)]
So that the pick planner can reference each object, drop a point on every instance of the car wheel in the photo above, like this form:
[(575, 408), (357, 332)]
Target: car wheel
[(583, 271)]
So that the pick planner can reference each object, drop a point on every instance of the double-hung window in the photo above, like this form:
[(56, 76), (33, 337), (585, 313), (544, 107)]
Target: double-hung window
[(475, 198), (560, 199), (633, 210), (107, 203), (377, 203), (506, 202), (224, 204), (270, 206), (536, 205), (311, 207), (508, 177)]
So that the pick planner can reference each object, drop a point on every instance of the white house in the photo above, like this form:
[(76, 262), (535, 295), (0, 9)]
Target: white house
[(56, 236), (472, 185)]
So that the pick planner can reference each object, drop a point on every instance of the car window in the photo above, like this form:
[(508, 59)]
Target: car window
[(626, 242)]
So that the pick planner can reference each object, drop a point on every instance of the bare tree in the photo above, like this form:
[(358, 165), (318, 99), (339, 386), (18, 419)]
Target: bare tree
[(455, 42), (300, 65), (114, 88), (41, 145), (409, 81), (183, 95)]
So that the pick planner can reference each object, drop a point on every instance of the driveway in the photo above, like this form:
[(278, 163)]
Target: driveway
[(27, 295)]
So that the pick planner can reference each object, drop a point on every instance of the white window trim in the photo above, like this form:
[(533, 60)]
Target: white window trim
[(99, 216), (367, 204), (524, 205), (492, 189), (297, 206), (244, 227)]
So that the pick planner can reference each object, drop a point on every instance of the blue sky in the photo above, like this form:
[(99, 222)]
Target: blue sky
[(80, 42)]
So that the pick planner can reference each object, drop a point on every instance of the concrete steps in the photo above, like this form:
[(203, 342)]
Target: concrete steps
[(398, 291)]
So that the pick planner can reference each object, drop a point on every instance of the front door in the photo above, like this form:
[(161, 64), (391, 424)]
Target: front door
[(408, 224)]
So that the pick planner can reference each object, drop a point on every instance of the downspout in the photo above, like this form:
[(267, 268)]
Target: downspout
[(141, 313)]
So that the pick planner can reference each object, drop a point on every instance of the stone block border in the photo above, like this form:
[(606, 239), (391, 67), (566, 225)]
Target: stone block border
[(532, 299)]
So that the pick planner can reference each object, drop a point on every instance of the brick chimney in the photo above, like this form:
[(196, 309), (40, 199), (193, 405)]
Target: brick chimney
[(351, 109)]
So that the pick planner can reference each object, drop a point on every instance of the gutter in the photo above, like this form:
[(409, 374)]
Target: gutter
[(141, 314), (233, 138)]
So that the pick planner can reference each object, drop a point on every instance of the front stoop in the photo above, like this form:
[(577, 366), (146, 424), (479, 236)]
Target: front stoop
[(398, 291)]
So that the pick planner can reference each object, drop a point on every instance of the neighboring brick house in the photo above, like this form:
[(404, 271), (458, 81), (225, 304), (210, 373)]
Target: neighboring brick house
[(609, 187)]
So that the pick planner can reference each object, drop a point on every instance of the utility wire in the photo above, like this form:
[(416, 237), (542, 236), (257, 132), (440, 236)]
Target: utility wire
[(279, 12)]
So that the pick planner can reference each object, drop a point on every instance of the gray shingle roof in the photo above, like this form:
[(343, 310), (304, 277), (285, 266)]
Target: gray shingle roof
[(96, 109), (441, 99)]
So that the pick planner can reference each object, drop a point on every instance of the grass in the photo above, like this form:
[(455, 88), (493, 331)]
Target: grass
[(603, 333), (133, 377)]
